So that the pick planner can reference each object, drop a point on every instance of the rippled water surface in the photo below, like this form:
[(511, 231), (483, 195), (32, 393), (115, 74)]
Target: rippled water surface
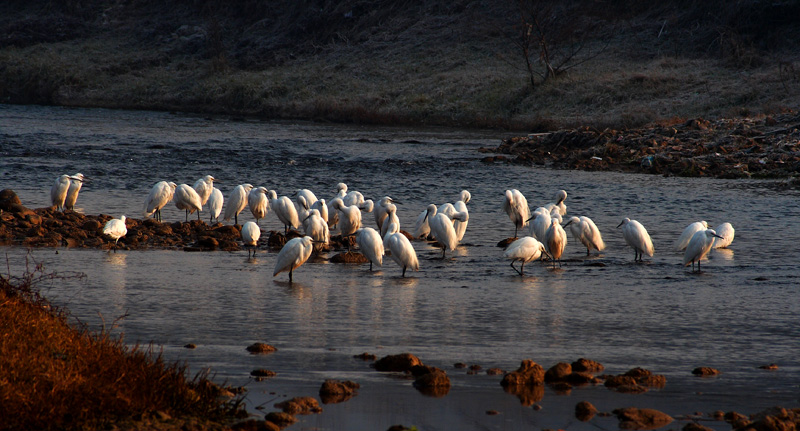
[(742, 311)]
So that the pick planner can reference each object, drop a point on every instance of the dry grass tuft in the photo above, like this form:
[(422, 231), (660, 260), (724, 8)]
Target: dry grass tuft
[(54, 376)]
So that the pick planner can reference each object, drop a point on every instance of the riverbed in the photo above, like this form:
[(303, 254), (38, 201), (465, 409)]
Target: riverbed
[(741, 312)]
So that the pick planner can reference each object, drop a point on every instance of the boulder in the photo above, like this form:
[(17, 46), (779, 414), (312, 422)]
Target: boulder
[(641, 419)]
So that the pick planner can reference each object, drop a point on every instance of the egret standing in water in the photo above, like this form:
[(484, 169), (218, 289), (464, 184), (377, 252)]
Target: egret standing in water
[(555, 241), (516, 206), (204, 186), (442, 228), (187, 199), (524, 250), (699, 246), (637, 237), (559, 204), (461, 206), (160, 195), (321, 206), (258, 202), (115, 229), (540, 223), (349, 217), (237, 201), (382, 210), (215, 202), (315, 227), (285, 210), (295, 253), (584, 230), (688, 233), (391, 217), (250, 235), (333, 215), (74, 188), (402, 252), (371, 245), (726, 232)]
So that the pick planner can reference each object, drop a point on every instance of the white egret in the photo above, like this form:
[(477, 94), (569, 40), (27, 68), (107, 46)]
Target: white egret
[(637, 237), (215, 202), (285, 210), (688, 233), (524, 250), (58, 192), (725, 231), (115, 229), (541, 222), (333, 215), (370, 244), (367, 206), (555, 241), (349, 217), (76, 182), (258, 202), (321, 206), (381, 210), (699, 246), (250, 235), (391, 217), (584, 230), (555, 215), (559, 204), (237, 201), (315, 227), (160, 195), (402, 252), (204, 186), (306, 194), (187, 199), (461, 206), (295, 253), (442, 228), (353, 197), (516, 206), (421, 226)]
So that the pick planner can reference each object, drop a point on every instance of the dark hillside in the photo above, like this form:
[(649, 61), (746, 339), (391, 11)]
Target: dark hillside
[(453, 62)]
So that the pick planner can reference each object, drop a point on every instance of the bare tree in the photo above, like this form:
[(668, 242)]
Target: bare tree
[(554, 36)]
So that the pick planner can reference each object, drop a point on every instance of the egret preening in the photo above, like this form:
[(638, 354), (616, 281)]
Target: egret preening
[(699, 246), (215, 202), (541, 222), (237, 201), (309, 197), (421, 227), (159, 196), (258, 202), (115, 229), (559, 205), (187, 199), (349, 217), (555, 215), (58, 192), (370, 244), (250, 235), (391, 217), (584, 230), (204, 186), (381, 210), (637, 237), (315, 227), (516, 206), (402, 252), (461, 206), (688, 233), (555, 241), (524, 250), (333, 215), (295, 253), (442, 228), (285, 210), (353, 197), (322, 207), (367, 206), (74, 188), (725, 231)]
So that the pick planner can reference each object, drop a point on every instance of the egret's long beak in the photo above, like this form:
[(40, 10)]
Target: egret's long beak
[(568, 223), (394, 201), (620, 223), (530, 218), (718, 236)]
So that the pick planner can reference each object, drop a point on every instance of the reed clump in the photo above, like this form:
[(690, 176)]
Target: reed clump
[(56, 376)]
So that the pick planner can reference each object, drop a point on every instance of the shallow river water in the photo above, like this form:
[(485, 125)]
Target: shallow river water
[(742, 311)]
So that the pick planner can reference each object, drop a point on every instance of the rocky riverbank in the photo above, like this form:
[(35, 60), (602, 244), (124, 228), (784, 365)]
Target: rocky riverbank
[(766, 147)]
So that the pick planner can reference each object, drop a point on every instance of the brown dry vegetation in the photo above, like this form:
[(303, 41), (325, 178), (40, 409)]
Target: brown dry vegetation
[(436, 62), (54, 376)]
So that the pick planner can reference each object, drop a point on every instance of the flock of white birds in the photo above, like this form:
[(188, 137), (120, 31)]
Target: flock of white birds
[(446, 223)]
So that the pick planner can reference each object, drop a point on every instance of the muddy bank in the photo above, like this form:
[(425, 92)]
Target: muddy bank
[(767, 147)]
